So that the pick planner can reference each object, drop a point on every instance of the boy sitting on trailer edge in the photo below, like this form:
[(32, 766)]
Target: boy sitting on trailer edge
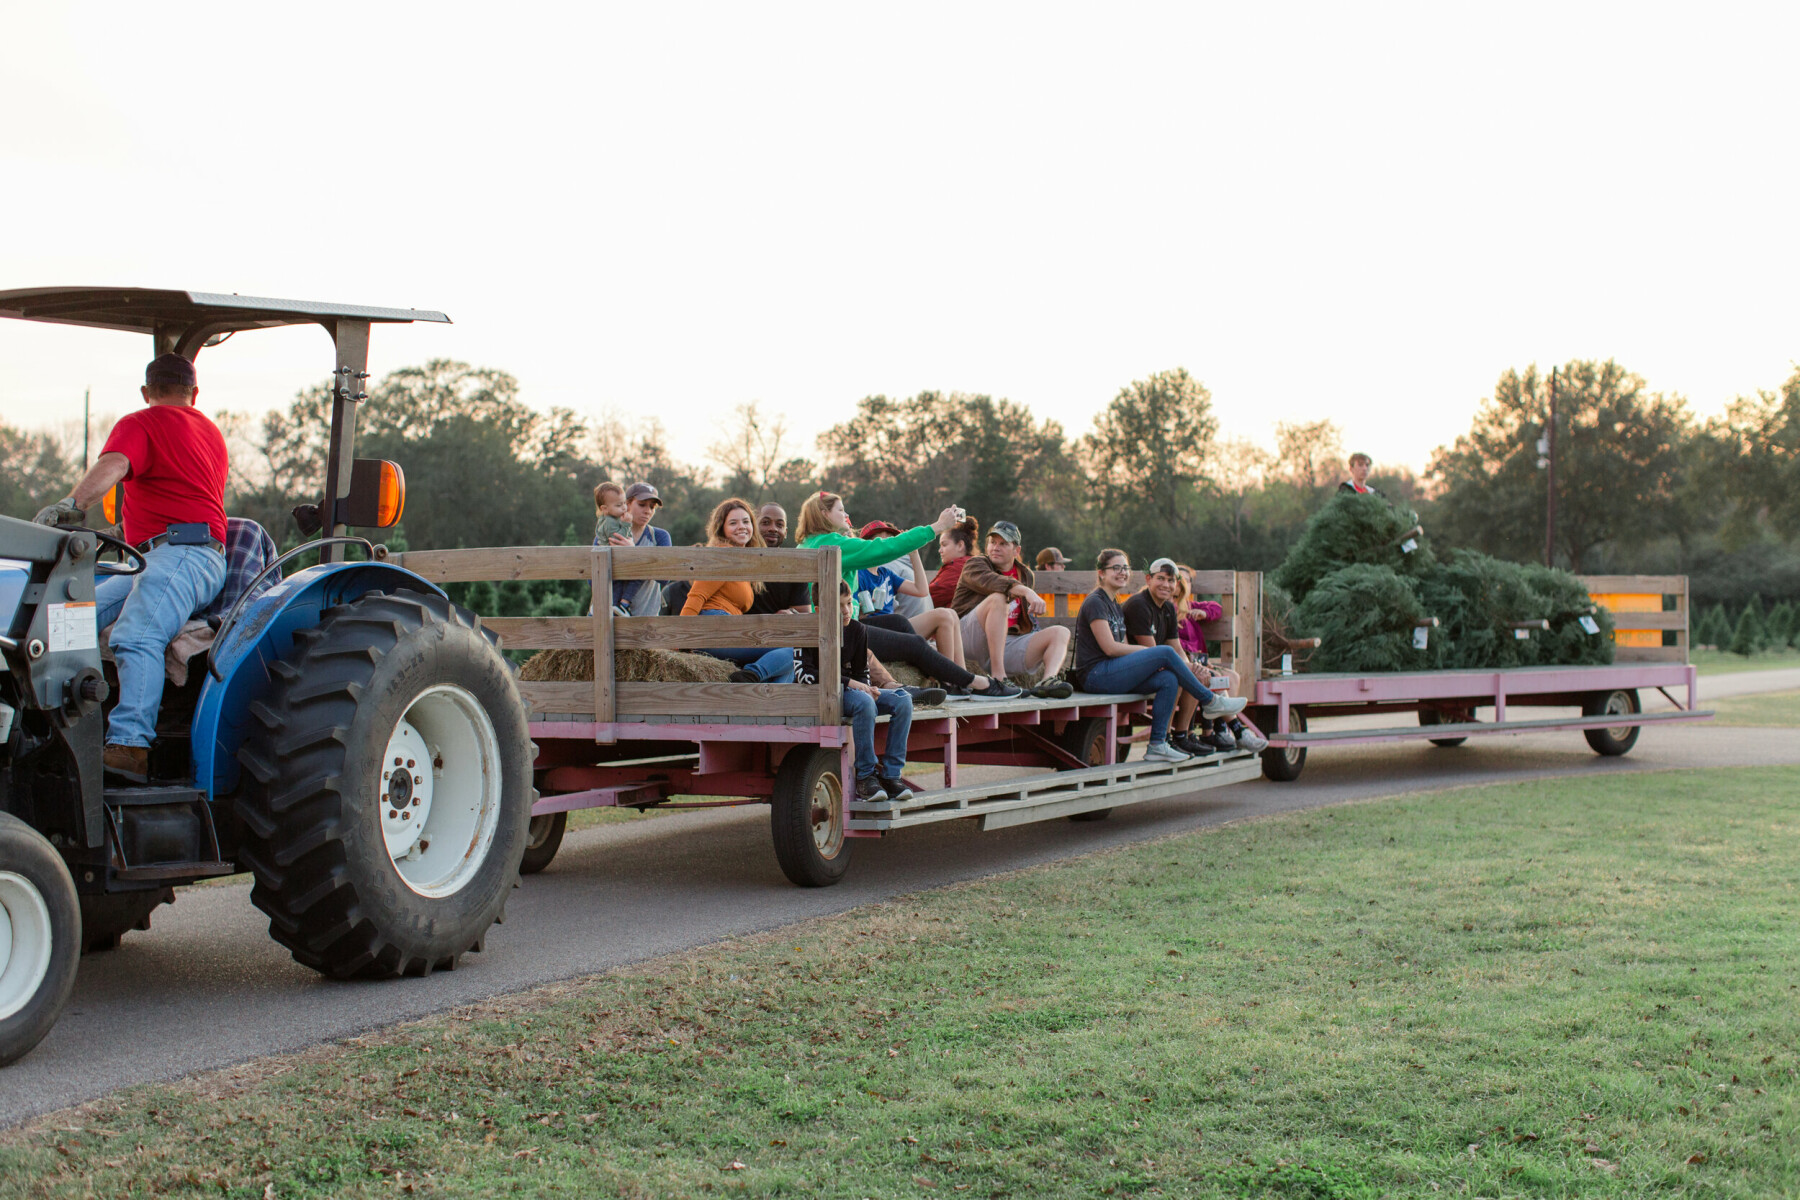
[(863, 701)]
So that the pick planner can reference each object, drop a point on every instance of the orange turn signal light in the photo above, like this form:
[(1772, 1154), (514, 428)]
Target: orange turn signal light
[(113, 503), (391, 503)]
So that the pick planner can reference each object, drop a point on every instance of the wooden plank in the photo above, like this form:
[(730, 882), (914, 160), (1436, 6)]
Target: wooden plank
[(600, 560), (718, 700), (830, 634), (1650, 620), (543, 633), (1246, 626), (543, 697), (1629, 654), (500, 562), (714, 562), (712, 633), (1639, 585)]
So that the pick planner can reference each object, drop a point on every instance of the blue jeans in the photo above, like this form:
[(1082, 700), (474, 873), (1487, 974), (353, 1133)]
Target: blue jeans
[(1158, 670), (149, 610), (862, 708), (769, 666)]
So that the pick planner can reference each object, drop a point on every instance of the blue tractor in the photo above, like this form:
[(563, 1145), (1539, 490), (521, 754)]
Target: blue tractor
[(351, 738)]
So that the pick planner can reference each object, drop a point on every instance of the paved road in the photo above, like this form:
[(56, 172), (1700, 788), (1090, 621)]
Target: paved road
[(207, 988)]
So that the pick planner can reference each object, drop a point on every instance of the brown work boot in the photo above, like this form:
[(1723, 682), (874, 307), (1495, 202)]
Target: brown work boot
[(128, 762)]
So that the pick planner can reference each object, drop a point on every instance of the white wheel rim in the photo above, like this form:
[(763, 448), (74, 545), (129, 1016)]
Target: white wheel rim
[(1619, 702), (828, 815), (25, 942), (439, 791)]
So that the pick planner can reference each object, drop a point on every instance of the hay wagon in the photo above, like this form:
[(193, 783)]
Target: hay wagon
[(1649, 613), (616, 741)]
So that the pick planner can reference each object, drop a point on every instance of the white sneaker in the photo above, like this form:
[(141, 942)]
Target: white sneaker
[(1251, 741), (1224, 706), (1163, 752)]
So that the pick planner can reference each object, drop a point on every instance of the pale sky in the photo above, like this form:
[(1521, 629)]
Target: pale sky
[(1361, 212)]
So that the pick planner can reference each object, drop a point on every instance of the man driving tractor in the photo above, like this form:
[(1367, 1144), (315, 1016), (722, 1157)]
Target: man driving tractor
[(173, 462)]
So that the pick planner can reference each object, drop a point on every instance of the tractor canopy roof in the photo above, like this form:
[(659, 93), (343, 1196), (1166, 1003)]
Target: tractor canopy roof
[(181, 321)]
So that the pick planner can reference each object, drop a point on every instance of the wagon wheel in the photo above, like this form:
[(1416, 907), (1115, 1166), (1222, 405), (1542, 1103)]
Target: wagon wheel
[(1432, 716), (1285, 764), (542, 840), (806, 816), (1086, 740), (1618, 739)]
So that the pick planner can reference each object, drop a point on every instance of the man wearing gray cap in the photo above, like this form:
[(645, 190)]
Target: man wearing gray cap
[(173, 463), (998, 606)]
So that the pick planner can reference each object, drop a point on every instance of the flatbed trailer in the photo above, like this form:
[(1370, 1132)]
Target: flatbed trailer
[(617, 743)]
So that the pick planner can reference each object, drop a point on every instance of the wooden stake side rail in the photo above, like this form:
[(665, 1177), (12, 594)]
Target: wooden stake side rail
[(607, 700), (1657, 620)]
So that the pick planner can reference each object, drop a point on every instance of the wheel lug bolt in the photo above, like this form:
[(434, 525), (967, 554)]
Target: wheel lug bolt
[(397, 761), (409, 762), (419, 779), (415, 802), (406, 816)]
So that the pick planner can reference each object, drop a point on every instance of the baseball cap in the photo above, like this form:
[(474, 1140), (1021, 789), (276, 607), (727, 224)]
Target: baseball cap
[(640, 491), (875, 527), (170, 370), (1165, 566), (1006, 530)]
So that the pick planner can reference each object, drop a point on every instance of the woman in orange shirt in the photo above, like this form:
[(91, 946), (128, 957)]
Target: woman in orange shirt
[(733, 524)]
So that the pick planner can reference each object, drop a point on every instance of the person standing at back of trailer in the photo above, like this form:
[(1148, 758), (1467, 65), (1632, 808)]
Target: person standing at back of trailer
[(1358, 483), (173, 462)]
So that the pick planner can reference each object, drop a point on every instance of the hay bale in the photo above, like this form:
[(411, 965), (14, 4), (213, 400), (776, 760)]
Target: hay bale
[(629, 666)]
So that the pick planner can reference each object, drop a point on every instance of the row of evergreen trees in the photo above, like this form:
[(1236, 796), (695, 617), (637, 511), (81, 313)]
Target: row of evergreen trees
[(1753, 631)]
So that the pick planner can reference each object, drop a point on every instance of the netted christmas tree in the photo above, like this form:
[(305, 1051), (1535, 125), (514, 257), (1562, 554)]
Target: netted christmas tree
[(1367, 617), (1363, 592), (1353, 530)]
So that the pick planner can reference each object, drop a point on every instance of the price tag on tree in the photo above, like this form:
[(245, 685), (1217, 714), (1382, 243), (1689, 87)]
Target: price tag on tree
[(1409, 545), (1589, 625), (1421, 637), (1523, 635)]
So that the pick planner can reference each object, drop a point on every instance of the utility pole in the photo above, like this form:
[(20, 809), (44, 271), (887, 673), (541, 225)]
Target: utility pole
[(85, 397), (1550, 505)]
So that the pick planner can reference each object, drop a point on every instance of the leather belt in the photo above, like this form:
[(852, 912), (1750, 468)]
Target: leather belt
[(146, 546)]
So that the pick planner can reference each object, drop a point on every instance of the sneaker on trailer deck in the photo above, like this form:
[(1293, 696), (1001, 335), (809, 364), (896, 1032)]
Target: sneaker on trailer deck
[(1163, 752), (1249, 739)]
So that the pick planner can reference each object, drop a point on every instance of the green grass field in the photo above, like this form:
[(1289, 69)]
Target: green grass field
[(1556, 988), (1718, 662), (1777, 709)]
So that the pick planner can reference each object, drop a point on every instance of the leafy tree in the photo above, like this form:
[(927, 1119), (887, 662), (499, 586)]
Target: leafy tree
[(1763, 475), (34, 471), (1747, 638), (1151, 447), (1310, 454), (904, 460), (1618, 449)]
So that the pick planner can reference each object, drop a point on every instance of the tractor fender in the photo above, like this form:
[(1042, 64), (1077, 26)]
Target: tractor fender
[(264, 633)]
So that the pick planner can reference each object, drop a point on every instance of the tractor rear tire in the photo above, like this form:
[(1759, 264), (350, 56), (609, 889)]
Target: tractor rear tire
[(806, 816), (543, 841), (1086, 740), (40, 937), (105, 920), (1610, 743), (387, 788)]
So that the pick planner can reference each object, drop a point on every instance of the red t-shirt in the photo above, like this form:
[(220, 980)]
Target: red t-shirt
[(178, 468), (1012, 606), (943, 584)]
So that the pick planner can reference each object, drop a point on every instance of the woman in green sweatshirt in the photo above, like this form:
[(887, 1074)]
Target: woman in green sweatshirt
[(823, 522)]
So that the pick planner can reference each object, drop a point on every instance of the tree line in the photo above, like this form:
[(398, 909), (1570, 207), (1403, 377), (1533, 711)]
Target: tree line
[(1642, 484)]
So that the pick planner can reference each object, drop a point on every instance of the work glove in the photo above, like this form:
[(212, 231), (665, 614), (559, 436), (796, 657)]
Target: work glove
[(63, 512)]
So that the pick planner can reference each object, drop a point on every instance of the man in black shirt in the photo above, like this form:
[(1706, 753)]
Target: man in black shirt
[(787, 596), (1151, 620)]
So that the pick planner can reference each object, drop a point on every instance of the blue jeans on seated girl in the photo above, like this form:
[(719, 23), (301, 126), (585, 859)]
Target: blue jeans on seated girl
[(769, 666), (862, 709), (1158, 670)]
